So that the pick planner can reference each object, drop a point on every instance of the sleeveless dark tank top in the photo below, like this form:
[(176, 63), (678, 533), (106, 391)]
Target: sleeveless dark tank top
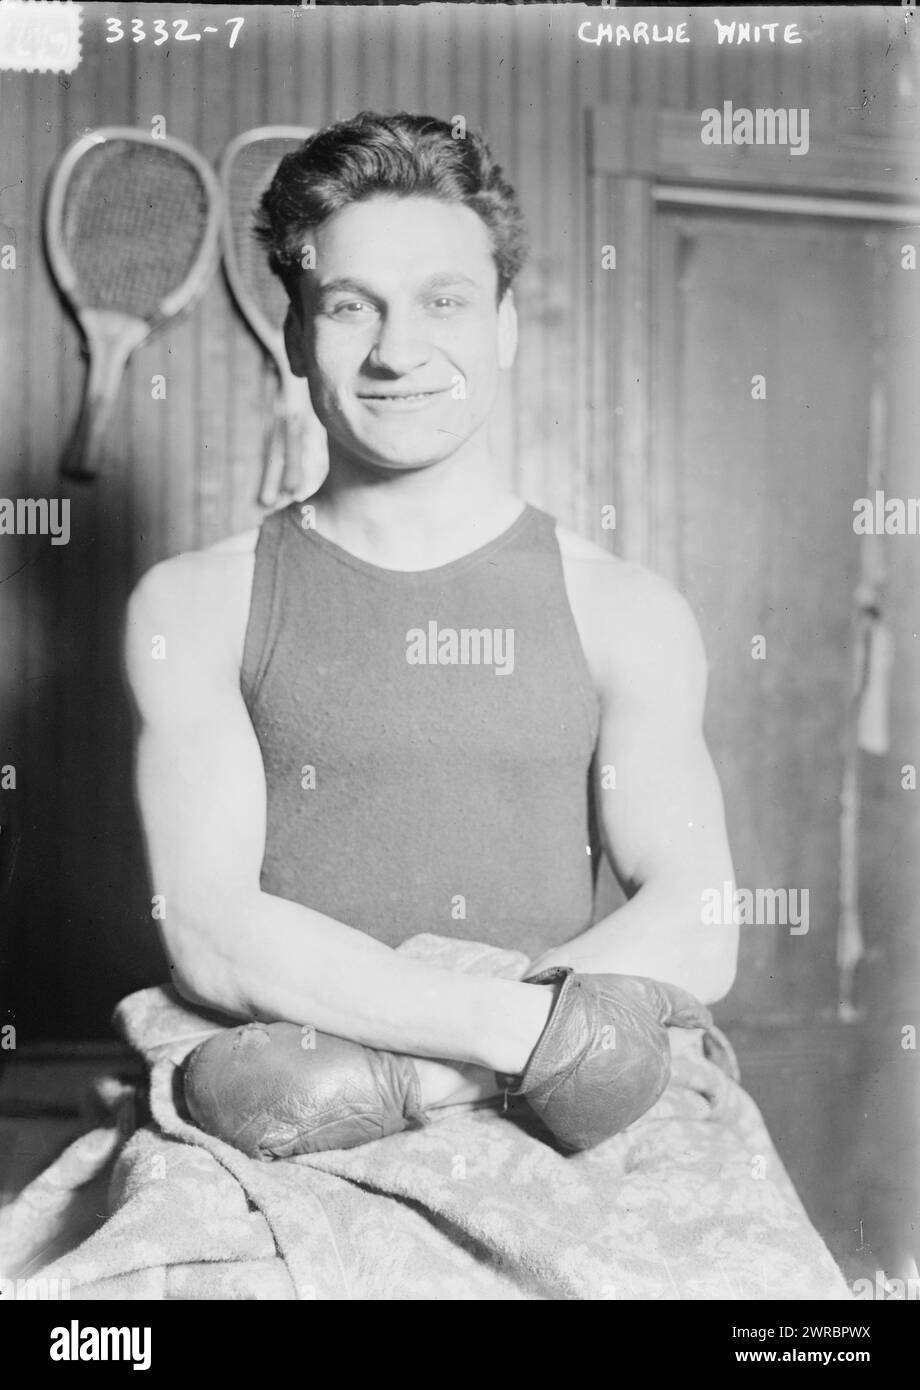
[(427, 737)]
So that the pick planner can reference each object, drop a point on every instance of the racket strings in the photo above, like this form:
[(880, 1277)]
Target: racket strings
[(250, 173), (134, 219)]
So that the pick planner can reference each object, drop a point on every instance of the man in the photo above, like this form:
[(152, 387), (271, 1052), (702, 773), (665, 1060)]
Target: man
[(398, 710)]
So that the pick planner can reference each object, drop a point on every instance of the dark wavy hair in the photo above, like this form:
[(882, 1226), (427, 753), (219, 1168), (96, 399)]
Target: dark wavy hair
[(373, 154)]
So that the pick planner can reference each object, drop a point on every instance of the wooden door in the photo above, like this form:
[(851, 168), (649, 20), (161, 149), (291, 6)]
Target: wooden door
[(747, 369)]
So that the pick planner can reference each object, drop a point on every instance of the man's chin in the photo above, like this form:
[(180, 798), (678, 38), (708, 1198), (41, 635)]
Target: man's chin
[(404, 456), (382, 465)]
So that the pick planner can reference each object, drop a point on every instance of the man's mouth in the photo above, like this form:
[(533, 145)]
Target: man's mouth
[(399, 400)]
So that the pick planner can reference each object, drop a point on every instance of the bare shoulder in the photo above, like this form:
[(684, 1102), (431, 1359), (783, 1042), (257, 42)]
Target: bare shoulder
[(193, 608), (631, 620)]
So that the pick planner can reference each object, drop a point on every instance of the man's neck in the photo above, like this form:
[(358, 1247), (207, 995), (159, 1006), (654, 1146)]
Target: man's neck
[(412, 521)]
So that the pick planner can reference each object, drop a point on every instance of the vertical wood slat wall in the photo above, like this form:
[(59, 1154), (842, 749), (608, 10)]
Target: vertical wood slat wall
[(183, 472)]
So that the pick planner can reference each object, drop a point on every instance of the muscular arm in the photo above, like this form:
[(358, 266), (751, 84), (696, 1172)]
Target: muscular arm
[(660, 805), (232, 947)]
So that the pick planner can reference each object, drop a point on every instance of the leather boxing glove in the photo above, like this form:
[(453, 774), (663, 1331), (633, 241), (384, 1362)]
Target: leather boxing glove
[(261, 1089), (603, 1058)]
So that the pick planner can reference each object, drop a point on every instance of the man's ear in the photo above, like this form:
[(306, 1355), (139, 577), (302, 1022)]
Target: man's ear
[(294, 341), (507, 330)]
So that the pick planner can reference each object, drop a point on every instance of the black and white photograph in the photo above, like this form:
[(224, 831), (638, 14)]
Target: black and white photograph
[(460, 662)]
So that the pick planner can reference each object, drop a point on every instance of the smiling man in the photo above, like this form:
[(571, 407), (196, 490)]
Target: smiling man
[(313, 795)]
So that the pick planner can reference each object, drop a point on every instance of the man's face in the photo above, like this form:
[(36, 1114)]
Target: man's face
[(400, 334)]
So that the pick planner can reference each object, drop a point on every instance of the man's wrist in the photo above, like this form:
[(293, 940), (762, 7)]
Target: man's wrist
[(521, 1027)]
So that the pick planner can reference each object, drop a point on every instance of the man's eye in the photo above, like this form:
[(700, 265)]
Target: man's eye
[(445, 304), (350, 308)]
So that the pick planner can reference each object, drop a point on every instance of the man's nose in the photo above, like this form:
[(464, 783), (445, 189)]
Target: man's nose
[(400, 347)]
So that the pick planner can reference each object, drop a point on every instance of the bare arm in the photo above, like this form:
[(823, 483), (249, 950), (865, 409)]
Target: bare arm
[(201, 788), (660, 809)]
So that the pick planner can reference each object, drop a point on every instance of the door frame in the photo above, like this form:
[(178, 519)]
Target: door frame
[(641, 158)]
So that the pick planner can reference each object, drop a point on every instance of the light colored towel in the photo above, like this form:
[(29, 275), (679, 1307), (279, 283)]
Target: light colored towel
[(690, 1202)]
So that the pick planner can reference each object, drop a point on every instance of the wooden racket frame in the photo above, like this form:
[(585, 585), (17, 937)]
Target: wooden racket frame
[(294, 425), (112, 336)]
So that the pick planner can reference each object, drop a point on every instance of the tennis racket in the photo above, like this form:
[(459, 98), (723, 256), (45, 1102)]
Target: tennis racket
[(247, 167), (131, 229)]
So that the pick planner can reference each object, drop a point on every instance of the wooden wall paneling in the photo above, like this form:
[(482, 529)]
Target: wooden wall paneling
[(103, 899), (676, 69), (595, 484), (19, 290), (716, 527), (495, 119), (52, 854), (620, 146), (43, 899), (782, 478), (153, 530), (532, 119), (563, 403), (583, 259), (32, 580), (599, 479), (250, 384), (89, 952), (883, 1170), (645, 77), (291, 90), (179, 508), (819, 376), (463, 43), (473, 46), (203, 452), (604, 76), (186, 508), (361, 57), (871, 57), (631, 218), (890, 815), (431, 31), (901, 72), (671, 247), (80, 924), (795, 1075), (847, 167), (381, 36), (344, 33), (217, 322), (780, 69), (826, 91), (13, 751), (707, 82)]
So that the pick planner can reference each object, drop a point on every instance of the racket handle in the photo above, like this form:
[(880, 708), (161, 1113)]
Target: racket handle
[(292, 428), (82, 455), (315, 451), (109, 348), (273, 467)]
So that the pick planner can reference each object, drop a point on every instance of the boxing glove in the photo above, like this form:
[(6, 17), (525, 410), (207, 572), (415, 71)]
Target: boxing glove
[(274, 1090), (603, 1058)]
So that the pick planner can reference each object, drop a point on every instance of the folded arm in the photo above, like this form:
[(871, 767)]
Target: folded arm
[(232, 947), (659, 805)]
